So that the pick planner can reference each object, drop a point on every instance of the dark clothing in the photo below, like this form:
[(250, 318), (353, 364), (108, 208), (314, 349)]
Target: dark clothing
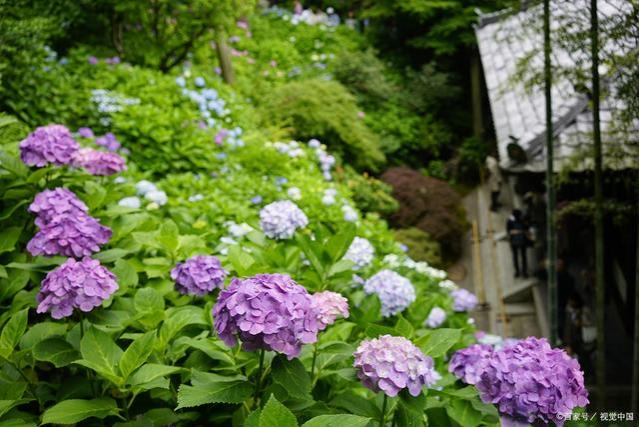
[(518, 234), (519, 253), (494, 200)]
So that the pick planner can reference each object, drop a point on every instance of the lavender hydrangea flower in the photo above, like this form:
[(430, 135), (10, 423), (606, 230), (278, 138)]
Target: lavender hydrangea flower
[(53, 205), (463, 300), (468, 363), (279, 220), (48, 144), (395, 292), (99, 163), (361, 252), (75, 284), (85, 132), (266, 311), (391, 364), (69, 236), (108, 141), (436, 317), (329, 305), (529, 382), (198, 275)]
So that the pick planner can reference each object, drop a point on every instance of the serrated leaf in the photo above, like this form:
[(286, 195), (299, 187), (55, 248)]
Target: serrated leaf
[(8, 238), (150, 372), (463, 412), (148, 300), (12, 332), (56, 351), (76, 410), (136, 354), (340, 420), (126, 274), (356, 405), (292, 376), (111, 255), (179, 318), (437, 342), (274, 414), (212, 388), (101, 353), (40, 332), (168, 236)]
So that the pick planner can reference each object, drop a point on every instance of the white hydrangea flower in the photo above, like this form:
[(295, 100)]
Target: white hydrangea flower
[(144, 186), (391, 260), (130, 202), (361, 252), (158, 196), (350, 214), (294, 193)]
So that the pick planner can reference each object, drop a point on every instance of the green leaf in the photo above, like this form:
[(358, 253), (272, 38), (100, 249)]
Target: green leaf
[(55, 350), (18, 281), (338, 244), (76, 410), (8, 238), (111, 255), (151, 372), (404, 327), (12, 332), (12, 164), (213, 388), (127, 276), (168, 236), (179, 318), (341, 420), (463, 412), (357, 405), (40, 332), (437, 342), (101, 353), (148, 300), (136, 354), (240, 260), (274, 414), (292, 376), (253, 419)]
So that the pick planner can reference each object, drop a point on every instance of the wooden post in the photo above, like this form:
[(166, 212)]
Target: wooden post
[(477, 270), (224, 57)]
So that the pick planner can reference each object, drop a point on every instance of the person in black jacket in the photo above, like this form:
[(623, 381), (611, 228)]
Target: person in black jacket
[(518, 233)]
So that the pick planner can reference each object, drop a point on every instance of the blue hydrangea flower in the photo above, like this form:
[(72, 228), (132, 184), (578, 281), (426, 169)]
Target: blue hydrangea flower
[(279, 220), (395, 292)]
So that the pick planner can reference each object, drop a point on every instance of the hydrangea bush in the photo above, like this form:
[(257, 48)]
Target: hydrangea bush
[(125, 287)]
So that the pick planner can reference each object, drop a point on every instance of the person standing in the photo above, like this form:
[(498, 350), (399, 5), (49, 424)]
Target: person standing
[(494, 182), (518, 233)]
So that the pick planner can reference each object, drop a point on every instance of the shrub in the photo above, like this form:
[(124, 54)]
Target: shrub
[(363, 73), (370, 194), (421, 247), (430, 205), (327, 111)]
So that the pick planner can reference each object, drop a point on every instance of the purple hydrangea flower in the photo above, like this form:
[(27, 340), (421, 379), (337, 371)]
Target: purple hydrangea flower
[(54, 205), (279, 220), (48, 144), (468, 363), (436, 317), (99, 163), (71, 236), (93, 60), (85, 132), (395, 292), (529, 382), (81, 284), (361, 252), (463, 300), (108, 141), (391, 364), (266, 311), (198, 275), (329, 305)]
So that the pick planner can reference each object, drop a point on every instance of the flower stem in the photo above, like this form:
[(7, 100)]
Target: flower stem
[(381, 418), (313, 363), (258, 382)]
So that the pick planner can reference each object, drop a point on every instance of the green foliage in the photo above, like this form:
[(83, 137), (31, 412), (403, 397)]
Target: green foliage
[(327, 111), (364, 74), (421, 247), (370, 194)]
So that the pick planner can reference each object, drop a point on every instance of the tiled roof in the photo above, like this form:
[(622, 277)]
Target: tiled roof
[(511, 46)]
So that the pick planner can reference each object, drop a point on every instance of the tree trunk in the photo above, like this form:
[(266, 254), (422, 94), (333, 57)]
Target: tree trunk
[(599, 231), (551, 247), (224, 57)]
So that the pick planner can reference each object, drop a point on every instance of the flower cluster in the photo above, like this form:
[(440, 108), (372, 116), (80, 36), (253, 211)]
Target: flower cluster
[(99, 163), (463, 300), (65, 226), (361, 252), (436, 317), (530, 382), (52, 144), (391, 364), (395, 292), (291, 149), (329, 305), (151, 192), (75, 284), (108, 102), (326, 161), (266, 311), (328, 198), (279, 220), (198, 275), (208, 100), (108, 141), (350, 214)]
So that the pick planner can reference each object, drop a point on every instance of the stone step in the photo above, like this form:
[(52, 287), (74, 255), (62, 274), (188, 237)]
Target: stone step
[(518, 309), (519, 291)]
